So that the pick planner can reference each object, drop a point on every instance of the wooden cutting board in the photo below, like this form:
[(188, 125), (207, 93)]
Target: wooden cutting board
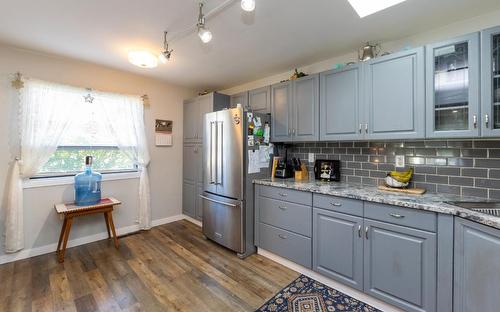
[(413, 191)]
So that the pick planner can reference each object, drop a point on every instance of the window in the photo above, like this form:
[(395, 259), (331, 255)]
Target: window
[(87, 135)]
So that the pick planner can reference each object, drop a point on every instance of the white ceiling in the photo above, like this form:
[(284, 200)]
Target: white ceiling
[(246, 46)]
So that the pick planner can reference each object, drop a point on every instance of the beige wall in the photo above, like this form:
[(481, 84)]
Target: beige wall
[(41, 223), (447, 32)]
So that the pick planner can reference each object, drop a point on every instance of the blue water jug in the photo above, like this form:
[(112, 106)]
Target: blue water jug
[(88, 185)]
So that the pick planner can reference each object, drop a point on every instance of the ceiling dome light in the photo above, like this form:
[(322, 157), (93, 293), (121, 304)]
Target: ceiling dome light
[(205, 35), (143, 59), (248, 5)]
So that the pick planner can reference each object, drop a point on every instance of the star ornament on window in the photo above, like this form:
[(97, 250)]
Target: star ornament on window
[(88, 98)]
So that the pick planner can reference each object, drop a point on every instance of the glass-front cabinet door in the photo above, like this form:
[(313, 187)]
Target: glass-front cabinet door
[(453, 87), (490, 83)]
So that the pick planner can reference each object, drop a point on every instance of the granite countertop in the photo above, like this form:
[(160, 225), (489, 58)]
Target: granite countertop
[(428, 201)]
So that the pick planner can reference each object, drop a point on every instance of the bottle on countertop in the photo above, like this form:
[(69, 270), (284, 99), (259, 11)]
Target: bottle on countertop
[(88, 185)]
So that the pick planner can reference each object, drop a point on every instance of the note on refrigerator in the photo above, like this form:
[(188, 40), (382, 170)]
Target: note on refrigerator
[(253, 161), (264, 156)]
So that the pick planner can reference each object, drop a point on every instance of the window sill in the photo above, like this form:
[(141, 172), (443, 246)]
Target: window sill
[(44, 182)]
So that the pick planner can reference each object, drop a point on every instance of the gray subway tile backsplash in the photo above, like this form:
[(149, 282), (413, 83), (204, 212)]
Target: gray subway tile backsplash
[(462, 167)]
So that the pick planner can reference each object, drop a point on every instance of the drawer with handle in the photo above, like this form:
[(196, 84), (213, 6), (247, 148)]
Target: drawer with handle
[(289, 216), (338, 204), (297, 197), (294, 247), (418, 219)]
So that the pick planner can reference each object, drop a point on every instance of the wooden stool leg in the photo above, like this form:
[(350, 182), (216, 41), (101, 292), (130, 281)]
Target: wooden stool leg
[(112, 225), (63, 229), (106, 218), (65, 241)]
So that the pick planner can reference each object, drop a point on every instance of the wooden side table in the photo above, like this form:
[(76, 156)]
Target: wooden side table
[(69, 211)]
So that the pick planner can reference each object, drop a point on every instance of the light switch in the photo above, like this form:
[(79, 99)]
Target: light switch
[(311, 157)]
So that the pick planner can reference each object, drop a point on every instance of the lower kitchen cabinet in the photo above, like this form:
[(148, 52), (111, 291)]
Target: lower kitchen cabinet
[(338, 247), (476, 267), (399, 255), (400, 265), (189, 199)]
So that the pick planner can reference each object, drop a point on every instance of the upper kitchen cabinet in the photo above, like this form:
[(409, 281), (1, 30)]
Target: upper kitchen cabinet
[(240, 98), (295, 110), (453, 87), (305, 109), (340, 104), (259, 100), (194, 111), (281, 111), (490, 83), (395, 96)]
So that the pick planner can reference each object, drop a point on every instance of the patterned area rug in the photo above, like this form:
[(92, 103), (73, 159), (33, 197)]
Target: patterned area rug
[(307, 295)]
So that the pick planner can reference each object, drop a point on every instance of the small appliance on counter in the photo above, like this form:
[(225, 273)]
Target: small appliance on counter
[(327, 170), (284, 169)]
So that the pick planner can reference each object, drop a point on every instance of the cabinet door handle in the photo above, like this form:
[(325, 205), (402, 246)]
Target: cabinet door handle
[(359, 231), (283, 194), (366, 232), (366, 128), (360, 128), (336, 204), (293, 131), (395, 215), (474, 121), (282, 236), (282, 207), (487, 120)]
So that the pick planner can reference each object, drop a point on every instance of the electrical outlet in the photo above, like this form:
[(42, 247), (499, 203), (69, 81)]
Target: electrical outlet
[(311, 157), (400, 161)]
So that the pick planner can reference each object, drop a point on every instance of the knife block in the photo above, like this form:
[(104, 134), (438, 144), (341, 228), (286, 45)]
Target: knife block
[(303, 174)]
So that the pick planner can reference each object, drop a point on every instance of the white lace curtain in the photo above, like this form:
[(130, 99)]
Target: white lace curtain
[(46, 110)]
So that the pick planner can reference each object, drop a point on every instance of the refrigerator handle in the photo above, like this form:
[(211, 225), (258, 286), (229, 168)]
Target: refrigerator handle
[(220, 154), (213, 152)]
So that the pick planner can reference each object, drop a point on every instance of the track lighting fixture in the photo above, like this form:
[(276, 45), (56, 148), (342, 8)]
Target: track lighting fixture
[(248, 5), (166, 54), (203, 32)]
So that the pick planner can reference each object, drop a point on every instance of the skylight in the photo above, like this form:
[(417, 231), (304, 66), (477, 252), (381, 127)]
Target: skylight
[(367, 7)]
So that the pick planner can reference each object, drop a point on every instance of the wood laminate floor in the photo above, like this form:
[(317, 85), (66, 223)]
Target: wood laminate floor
[(170, 268)]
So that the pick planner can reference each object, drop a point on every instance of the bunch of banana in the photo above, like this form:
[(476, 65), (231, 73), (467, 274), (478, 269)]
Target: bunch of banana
[(399, 179)]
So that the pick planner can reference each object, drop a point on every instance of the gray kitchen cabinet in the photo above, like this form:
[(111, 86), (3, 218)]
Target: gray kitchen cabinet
[(340, 103), (305, 112), (476, 267), (338, 247), (281, 112), (240, 98), (190, 120), (194, 111), (189, 199), (295, 110), (452, 92), (490, 82), (259, 100), (395, 96), (192, 179), (400, 265)]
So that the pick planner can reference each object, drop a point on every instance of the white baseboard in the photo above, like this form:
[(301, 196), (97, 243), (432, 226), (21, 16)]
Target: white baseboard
[(194, 221), (37, 251), (329, 282)]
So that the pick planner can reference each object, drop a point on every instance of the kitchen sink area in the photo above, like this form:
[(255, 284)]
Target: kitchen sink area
[(487, 207)]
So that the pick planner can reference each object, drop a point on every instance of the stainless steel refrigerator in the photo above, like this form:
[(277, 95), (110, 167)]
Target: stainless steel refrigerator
[(228, 209)]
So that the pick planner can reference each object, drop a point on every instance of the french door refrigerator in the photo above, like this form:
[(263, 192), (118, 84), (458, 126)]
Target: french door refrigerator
[(227, 198)]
